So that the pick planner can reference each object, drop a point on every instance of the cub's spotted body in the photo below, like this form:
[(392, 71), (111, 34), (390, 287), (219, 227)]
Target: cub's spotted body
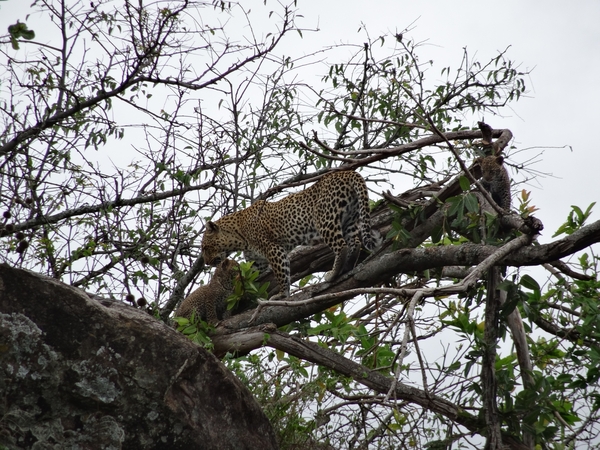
[(335, 209), (496, 180), (209, 302)]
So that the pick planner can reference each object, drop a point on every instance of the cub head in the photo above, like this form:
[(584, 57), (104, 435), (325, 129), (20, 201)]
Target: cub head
[(490, 166), (227, 272)]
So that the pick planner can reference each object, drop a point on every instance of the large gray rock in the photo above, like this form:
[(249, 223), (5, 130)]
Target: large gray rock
[(77, 373)]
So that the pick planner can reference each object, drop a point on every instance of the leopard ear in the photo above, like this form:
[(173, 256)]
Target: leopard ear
[(212, 227), (500, 159)]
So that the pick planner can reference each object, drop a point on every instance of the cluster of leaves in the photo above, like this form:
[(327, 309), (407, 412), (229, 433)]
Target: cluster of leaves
[(338, 329), (17, 31), (279, 385), (246, 288), (535, 408)]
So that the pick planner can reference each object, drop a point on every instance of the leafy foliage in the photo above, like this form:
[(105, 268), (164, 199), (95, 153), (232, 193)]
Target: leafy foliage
[(575, 221), (196, 330), (17, 31), (246, 287)]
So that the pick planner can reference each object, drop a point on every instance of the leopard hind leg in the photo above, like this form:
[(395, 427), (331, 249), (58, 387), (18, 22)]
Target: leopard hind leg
[(339, 264), (344, 246), (331, 221), (351, 231)]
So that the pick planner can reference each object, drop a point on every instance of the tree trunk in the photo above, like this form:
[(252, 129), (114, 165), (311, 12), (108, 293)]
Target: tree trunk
[(488, 363), (77, 372)]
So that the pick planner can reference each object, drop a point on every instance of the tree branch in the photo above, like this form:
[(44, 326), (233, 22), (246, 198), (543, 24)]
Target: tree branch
[(44, 220), (310, 351)]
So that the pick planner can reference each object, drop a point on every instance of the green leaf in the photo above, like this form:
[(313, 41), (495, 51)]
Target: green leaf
[(529, 283), (465, 184), (456, 205), (454, 366), (304, 281), (509, 306), (575, 220), (436, 234), (471, 203)]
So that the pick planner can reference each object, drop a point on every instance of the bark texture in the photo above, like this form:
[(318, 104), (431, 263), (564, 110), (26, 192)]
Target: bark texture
[(77, 372)]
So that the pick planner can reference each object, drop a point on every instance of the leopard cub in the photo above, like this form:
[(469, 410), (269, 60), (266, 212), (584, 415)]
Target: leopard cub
[(334, 209), (209, 302), (496, 179)]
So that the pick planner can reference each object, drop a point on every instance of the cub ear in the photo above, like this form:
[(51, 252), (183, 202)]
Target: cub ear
[(212, 227), (500, 159)]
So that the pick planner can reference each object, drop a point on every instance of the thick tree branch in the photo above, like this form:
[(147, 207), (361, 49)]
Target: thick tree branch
[(379, 268), (322, 296), (371, 155)]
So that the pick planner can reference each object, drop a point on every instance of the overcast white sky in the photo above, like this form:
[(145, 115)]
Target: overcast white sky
[(559, 40)]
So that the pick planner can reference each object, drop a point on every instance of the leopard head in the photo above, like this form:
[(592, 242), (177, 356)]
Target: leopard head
[(218, 242)]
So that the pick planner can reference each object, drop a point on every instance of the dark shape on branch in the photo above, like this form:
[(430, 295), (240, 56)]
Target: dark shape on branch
[(486, 131)]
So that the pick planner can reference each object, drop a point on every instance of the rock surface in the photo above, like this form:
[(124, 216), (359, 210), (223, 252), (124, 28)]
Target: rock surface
[(78, 373)]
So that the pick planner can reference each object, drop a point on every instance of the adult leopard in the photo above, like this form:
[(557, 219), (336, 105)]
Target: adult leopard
[(335, 209)]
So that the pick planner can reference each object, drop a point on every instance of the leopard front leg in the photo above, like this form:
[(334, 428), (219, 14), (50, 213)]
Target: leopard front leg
[(280, 265), (212, 317)]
